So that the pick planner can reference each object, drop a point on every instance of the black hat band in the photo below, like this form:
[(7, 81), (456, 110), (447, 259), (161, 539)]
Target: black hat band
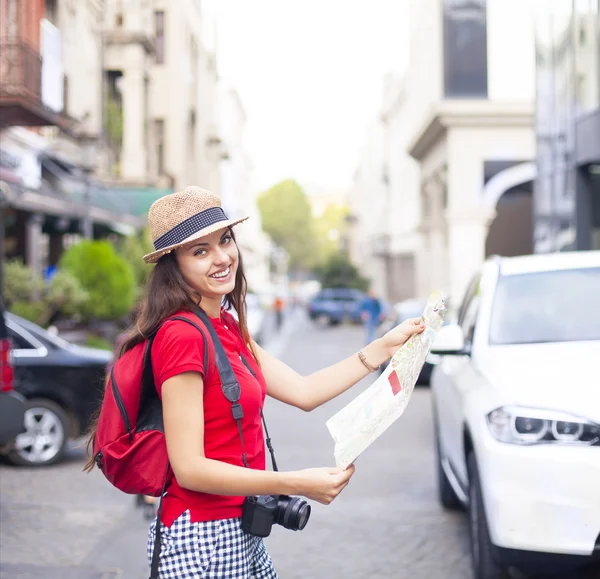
[(190, 226)]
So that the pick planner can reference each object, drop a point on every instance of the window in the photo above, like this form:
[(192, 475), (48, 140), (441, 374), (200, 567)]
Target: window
[(549, 306), (465, 49), (467, 316), (159, 32), (18, 341), (51, 11), (159, 135)]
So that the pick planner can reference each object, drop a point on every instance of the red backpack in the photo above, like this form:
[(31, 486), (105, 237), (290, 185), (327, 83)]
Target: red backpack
[(130, 447)]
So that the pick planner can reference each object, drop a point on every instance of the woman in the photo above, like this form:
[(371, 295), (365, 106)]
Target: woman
[(198, 263)]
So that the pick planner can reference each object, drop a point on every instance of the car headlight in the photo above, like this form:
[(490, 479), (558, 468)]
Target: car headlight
[(520, 425)]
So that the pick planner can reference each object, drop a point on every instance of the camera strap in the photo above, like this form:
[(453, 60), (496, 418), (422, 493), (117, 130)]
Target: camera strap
[(267, 437)]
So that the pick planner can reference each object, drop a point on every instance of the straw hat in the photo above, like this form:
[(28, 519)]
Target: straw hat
[(180, 218)]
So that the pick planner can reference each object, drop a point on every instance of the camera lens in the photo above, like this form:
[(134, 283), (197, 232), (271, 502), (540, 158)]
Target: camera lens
[(292, 513)]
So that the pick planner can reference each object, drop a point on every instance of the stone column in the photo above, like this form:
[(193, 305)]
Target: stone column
[(33, 241), (467, 232), (133, 152)]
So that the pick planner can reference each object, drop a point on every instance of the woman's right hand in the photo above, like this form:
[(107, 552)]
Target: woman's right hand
[(322, 484)]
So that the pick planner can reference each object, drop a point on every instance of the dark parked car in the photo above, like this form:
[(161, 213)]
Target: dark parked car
[(404, 311), (62, 384), (12, 404), (335, 305)]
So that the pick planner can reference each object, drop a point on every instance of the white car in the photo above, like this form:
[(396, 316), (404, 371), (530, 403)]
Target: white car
[(255, 318), (516, 401)]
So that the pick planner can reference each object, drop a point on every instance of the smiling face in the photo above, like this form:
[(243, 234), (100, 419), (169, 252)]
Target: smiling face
[(209, 265)]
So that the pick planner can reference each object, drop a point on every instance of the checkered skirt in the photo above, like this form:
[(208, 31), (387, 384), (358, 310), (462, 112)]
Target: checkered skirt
[(210, 550)]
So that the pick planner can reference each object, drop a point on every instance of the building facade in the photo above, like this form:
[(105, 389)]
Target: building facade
[(183, 120), (567, 183), (51, 124), (105, 105), (458, 146)]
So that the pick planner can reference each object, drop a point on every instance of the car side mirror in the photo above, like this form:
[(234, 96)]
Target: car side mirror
[(450, 342)]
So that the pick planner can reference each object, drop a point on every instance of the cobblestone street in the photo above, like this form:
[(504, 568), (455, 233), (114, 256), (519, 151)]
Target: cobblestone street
[(60, 523)]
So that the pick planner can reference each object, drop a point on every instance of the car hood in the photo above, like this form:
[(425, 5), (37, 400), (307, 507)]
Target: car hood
[(561, 376)]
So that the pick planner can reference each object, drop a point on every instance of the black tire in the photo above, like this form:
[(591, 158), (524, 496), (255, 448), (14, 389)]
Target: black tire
[(52, 446), (446, 494), (484, 565)]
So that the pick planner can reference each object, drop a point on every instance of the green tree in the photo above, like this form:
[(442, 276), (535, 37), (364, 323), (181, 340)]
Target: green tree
[(133, 248), (330, 230), (29, 297), (21, 283), (105, 275), (287, 218), (337, 271), (65, 295)]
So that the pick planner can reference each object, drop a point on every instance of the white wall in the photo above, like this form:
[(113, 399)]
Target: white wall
[(80, 24), (511, 50)]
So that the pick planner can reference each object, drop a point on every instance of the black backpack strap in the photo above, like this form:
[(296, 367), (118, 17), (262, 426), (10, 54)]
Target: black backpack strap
[(267, 437), (229, 384)]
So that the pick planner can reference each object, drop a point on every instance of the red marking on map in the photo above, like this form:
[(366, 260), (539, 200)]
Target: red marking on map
[(394, 382)]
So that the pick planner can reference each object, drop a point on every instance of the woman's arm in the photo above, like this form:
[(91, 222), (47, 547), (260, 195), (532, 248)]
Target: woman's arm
[(183, 412), (310, 392)]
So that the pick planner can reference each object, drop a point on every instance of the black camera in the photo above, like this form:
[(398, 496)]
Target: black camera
[(260, 512)]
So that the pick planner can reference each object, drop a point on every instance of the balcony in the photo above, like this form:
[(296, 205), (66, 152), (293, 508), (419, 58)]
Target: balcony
[(21, 89)]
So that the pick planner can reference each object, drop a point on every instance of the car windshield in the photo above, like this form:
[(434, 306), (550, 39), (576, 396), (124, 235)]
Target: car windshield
[(556, 306), (339, 295)]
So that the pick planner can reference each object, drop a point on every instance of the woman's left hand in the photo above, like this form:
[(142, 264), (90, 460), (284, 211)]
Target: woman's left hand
[(397, 336)]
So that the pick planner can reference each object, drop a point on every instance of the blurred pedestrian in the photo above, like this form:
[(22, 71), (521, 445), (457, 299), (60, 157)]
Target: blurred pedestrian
[(278, 309), (371, 314), (218, 461)]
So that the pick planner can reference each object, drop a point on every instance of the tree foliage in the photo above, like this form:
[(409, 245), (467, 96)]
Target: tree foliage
[(21, 283), (287, 218), (133, 248), (29, 297), (105, 275), (330, 231), (338, 272)]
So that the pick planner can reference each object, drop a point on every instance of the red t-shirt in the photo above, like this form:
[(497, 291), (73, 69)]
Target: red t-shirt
[(179, 347)]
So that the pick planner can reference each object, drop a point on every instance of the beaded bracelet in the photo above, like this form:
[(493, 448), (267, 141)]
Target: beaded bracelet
[(364, 361)]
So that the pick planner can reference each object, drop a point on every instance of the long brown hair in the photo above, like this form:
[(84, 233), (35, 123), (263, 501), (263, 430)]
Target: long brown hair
[(167, 293)]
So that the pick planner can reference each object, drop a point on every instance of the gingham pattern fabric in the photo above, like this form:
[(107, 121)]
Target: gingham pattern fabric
[(190, 226), (210, 550)]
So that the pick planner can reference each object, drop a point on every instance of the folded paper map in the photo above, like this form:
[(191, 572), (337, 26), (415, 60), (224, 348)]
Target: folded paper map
[(362, 421)]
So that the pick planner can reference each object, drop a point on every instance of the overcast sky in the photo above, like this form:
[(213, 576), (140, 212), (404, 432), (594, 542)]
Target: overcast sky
[(309, 73)]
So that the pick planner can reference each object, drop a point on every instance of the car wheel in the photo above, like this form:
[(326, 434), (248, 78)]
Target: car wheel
[(446, 494), (484, 565), (45, 437)]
